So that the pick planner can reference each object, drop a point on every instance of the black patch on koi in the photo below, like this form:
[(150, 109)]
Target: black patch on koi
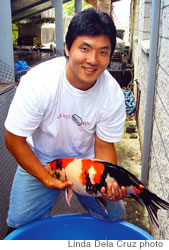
[(90, 188), (57, 164), (95, 188), (121, 175), (57, 175)]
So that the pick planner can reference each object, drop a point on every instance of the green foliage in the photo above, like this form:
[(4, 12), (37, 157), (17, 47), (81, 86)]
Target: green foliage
[(14, 33), (69, 8)]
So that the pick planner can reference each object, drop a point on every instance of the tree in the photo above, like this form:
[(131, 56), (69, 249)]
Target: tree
[(69, 8)]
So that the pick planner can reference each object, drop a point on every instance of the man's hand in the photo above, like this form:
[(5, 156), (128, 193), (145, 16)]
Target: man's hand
[(113, 192), (106, 151), (26, 158), (52, 183)]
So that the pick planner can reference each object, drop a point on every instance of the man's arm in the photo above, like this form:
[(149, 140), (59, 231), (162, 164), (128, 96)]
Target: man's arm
[(106, 151), (25, 157)]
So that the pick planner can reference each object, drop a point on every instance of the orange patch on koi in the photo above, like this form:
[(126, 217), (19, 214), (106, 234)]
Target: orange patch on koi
[(53, 164), (63, 162), (98, 167), (66, 161), (141, 186), (137, 190)]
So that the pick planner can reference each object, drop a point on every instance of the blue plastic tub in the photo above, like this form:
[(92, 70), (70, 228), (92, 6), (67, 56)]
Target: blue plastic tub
[(78, 227)]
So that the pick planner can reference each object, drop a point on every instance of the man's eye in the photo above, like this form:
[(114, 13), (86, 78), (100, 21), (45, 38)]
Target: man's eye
[(84, 49), (103, 52)]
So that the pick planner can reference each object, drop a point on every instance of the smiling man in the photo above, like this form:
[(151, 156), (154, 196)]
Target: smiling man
[(88, 58), (66, 107)]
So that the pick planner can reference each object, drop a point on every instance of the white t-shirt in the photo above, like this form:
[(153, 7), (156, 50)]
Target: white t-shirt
[(61, 121)]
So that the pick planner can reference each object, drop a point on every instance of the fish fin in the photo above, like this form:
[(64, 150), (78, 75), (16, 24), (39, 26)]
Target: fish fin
[(153, 203), (68, 195), (102, 203)]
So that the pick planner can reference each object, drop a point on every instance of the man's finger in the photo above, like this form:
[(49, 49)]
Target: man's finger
[(62, 185), (109, 190), (116, 190)]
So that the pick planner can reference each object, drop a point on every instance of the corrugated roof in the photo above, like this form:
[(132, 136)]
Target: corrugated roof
[(22, 9)]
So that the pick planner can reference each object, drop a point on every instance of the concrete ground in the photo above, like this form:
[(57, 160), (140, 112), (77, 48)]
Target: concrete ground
[(129, 157)]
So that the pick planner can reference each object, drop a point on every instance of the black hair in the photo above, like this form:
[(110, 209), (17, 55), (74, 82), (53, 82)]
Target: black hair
[(91, 23)]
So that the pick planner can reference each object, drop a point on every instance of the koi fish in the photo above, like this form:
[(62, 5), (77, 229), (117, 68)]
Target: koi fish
[(89, 176)]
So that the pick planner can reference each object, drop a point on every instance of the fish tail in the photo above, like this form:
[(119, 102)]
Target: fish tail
[(153, 203)]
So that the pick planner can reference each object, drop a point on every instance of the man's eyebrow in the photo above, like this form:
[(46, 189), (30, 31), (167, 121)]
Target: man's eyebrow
[(88, 45), (106, 47), (85, 44)]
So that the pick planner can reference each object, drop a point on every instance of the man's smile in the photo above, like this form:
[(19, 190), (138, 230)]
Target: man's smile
[(89, 70)]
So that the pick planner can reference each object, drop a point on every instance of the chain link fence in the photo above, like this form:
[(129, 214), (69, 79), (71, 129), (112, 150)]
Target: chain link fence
[(7, 162), (6, 73)]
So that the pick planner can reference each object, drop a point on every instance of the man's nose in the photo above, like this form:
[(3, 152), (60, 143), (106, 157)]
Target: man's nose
[(92, 58)]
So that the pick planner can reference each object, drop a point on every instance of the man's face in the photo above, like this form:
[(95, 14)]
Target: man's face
[(88, 58)]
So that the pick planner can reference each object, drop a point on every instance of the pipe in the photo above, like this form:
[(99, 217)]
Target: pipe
[(148, 123), (57, 4), (78, 5), (6, 48)]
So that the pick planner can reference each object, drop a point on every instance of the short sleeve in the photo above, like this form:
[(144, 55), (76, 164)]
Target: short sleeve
[(27, 107), (110, 126)]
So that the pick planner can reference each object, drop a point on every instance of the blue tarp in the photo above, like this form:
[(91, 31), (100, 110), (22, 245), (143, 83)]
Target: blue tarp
[(20, 66)]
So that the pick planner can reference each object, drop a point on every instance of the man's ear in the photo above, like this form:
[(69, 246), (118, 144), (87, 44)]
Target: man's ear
[(66, 50)]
